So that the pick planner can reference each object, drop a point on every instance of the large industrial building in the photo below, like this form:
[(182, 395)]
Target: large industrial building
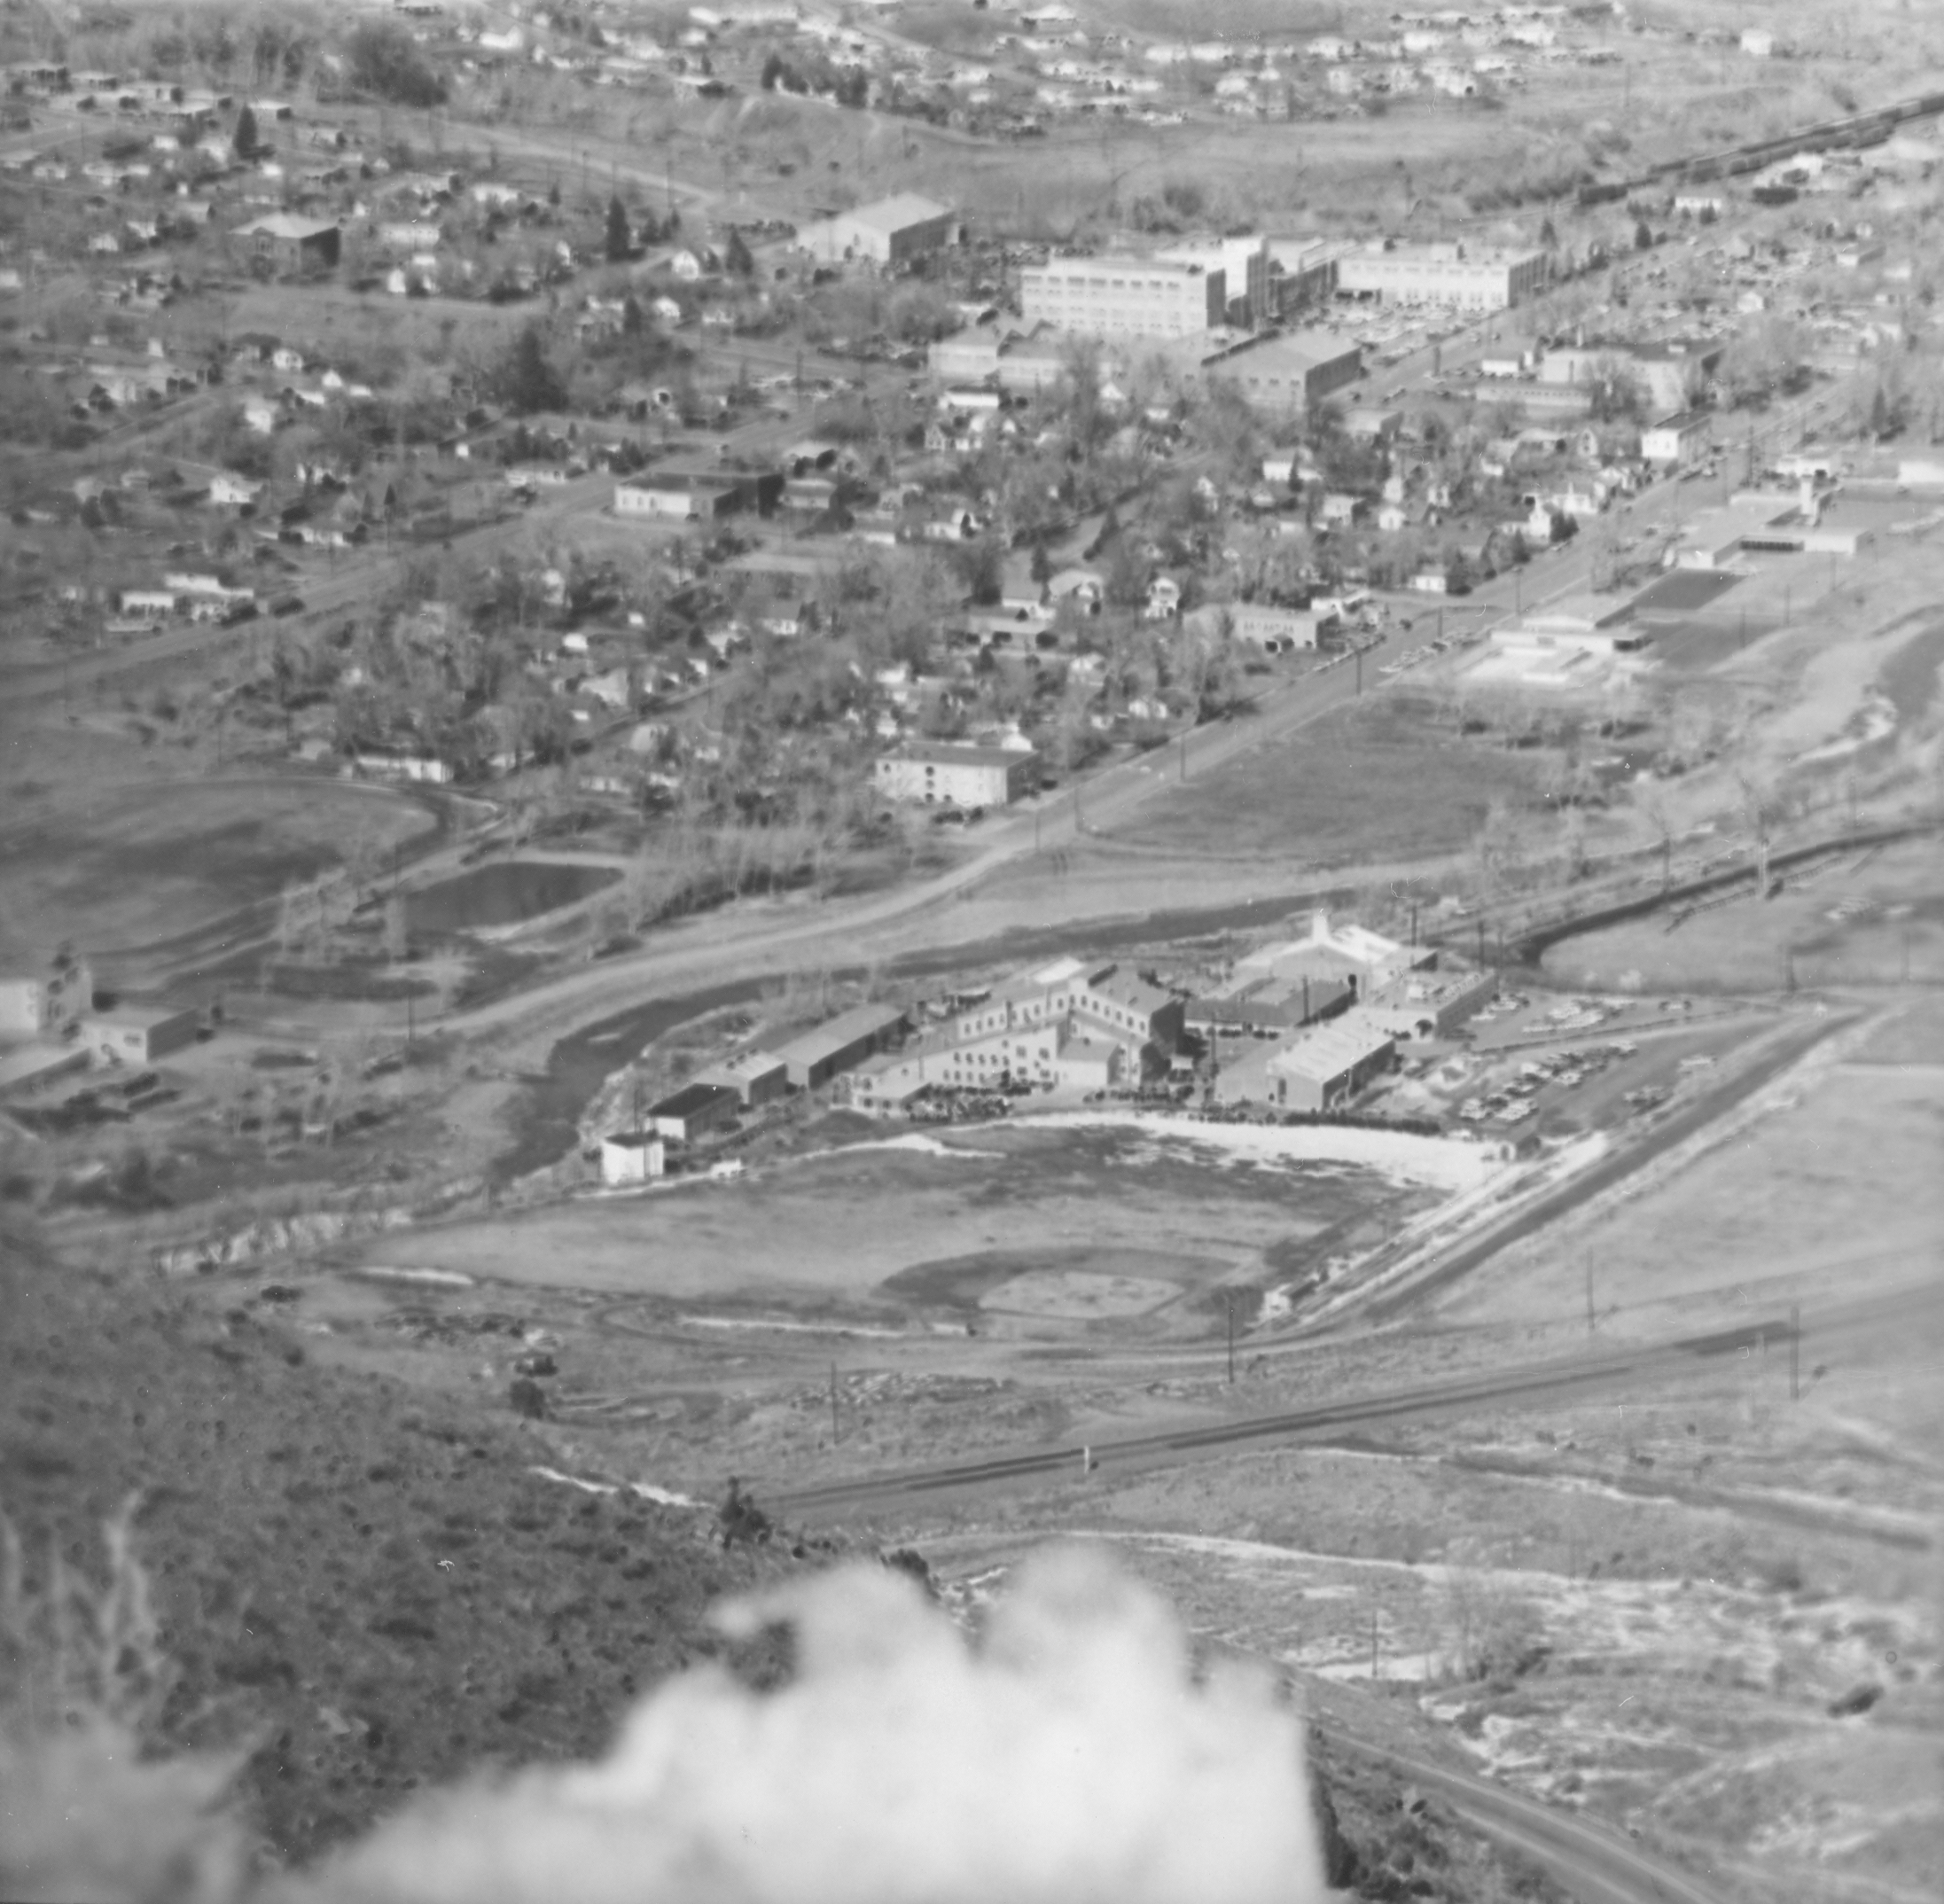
[(1125, 297), (1443, 274)]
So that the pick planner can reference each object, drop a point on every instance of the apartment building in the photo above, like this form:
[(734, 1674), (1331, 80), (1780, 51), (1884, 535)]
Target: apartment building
[(952, 773), (1125, 297)]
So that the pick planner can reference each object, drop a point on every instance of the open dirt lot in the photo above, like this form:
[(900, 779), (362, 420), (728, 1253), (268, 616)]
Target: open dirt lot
[(134, 864)]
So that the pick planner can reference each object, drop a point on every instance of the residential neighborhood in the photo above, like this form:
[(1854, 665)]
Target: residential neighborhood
[(1035, 905)]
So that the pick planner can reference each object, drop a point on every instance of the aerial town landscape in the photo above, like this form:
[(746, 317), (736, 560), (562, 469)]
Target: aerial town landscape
[(952, 950)]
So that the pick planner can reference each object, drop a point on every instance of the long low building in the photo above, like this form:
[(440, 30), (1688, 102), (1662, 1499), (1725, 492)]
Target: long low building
[(756, 1077), (1447, 274), (840, 1043), (696, 1109)]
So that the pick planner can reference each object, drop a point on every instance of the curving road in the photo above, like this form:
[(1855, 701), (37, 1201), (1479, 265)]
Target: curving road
[(1593, 1861)]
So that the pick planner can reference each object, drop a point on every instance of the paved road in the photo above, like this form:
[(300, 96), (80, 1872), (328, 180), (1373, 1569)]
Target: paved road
[(1564, 1377)]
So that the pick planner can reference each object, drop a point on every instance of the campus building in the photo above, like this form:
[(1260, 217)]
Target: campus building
[(1443, 274), (1125, 297)]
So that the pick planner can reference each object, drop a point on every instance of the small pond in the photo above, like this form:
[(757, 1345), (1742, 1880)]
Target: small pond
[(503, 894)]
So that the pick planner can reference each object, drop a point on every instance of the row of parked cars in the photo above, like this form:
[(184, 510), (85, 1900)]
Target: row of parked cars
[(1515, 1101)]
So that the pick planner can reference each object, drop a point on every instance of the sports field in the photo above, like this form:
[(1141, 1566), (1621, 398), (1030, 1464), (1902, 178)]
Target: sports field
[(1019, 1227)]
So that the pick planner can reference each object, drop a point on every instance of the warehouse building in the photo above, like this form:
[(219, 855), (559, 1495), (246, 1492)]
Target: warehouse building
[(1326, 1064), (889, 232), (1291, 372), (840, 1044), (693, 1112), (756, 1077)]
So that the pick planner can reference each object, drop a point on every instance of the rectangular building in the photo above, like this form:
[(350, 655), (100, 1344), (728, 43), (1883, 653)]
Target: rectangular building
[(48, 1005), (1448, 275), (949, 773), (697, 1108), (840, 1044), (756, 1077), (632, 1157), (1678, 439), (1292, 372), (1124, 297), (888, 232), (1325, 1065), (294, 242), (677, 498), (131, 1035)]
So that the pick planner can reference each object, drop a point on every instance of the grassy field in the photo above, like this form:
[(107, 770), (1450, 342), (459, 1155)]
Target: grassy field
[(1879, 921), (1372, 781), (125, 864), (1833, 1193)]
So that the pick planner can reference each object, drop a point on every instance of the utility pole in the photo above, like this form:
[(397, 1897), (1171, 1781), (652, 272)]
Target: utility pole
[(837, 1432), (1360, 670), (1590, 1325), (1795, 1352), (1184, 753), (1228, 1304), (1373, 1639)]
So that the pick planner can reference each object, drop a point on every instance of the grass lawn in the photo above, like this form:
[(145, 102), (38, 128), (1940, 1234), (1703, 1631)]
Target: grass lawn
[(1371, 781), (137, 865)]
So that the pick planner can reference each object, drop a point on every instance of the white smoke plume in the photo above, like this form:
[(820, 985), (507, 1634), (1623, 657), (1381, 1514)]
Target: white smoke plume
[(1069, 1758)]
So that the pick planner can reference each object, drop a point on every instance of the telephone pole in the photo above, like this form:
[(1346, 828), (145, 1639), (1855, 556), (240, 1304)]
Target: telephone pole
[(1590, 1325), (1795, 1352), (837, 1431)]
